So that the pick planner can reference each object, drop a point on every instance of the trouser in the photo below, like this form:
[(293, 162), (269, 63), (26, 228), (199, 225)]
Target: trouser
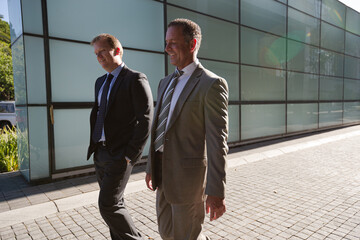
[(179, 221), (113, 173)]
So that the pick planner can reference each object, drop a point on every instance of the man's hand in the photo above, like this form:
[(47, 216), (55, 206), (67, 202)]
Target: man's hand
[(216, 207), (148, 181)]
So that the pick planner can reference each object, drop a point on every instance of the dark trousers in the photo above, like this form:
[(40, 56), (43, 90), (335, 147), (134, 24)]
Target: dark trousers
[(113, 173)]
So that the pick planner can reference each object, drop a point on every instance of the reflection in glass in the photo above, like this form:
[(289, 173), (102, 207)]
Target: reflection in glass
[(332, 37), (351, 112), (333, 12), (260, 84), (38, 139), (311, 7), (84, 19), (70, 148), (303, 58), (302, 27), (331, 63), (228, 71), (32, 16), (352, 45), (17, 50), (15, 19), (302, 86), (352, 67), (22, 141), (331, 88), (223, 9), (269, 16), (262, 120), (302, 117), (258, 48), (220, 39), (353, 21), (330, 114), (35, 69), (233, 123), (351, 89)]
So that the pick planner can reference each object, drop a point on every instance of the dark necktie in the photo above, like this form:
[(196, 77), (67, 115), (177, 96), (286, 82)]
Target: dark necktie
[(164, 112), (99, 124)]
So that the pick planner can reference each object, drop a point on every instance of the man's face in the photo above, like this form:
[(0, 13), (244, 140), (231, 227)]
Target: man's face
[(105, 55), (180, 51)]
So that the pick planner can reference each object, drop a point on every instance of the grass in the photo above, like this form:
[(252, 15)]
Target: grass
[(8, 150)]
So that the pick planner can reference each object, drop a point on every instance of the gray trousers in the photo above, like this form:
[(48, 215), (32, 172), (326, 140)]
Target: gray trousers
[(179, 221), (113, 173)]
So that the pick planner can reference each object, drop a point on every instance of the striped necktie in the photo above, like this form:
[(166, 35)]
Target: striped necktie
[(99, 124), (164, 112)]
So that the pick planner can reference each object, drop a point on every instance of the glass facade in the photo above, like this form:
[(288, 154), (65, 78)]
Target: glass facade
[(292, 66)]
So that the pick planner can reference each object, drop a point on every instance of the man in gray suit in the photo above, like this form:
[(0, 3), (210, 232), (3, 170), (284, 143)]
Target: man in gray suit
[(188, 139)]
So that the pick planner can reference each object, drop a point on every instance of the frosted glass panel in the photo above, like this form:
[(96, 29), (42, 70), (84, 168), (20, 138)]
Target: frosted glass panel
[(353, 21), (220, 39), (332, 37), (302, 87), (302, 27), (330, 114), (301, 117), (333, 12), (266, 15), (228, 9), (258, 48), (351, 112), (351, 89), (352, 67), (74, 70), (23, 141), (262, 120), (352, 44), (15, 19), (331, 63), (17, 50), (71, 136), (234, 134), (259, 84), (303, 58), (151, 64), (331, 88), (136, 23), (32, 16), (311, 7), (228, 71), (35, 69), (38, 139)]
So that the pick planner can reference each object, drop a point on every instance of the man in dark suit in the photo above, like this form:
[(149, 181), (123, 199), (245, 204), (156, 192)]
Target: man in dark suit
[(188, 139), (120, 124)]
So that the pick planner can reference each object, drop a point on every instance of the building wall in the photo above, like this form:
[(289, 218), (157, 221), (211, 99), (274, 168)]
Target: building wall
[(292, 66)]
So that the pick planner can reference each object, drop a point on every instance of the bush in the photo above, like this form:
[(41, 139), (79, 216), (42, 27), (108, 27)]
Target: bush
[(8, 150)]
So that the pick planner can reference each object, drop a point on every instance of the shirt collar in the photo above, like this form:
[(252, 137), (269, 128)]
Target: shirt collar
[(189, 69), (117, 70)]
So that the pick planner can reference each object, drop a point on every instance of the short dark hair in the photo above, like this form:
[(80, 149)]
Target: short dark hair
[(191, 30), (110, 39)]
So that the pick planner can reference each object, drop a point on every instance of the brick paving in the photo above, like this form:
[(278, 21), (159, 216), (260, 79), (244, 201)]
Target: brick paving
[(313, 193)]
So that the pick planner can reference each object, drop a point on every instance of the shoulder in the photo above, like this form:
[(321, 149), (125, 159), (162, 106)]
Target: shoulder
[(133, 73), (211, 78)]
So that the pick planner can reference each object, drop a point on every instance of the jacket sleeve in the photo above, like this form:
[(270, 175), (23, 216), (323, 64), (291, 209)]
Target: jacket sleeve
[(216, 127), (143, 109)]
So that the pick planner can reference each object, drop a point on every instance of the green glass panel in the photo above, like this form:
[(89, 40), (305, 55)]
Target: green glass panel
[(332, 37), (331, 63), (331, 88), (351, 89), (302, 86), (302, 57), (352, 67), (330, 114), (351, 112), (233, 123), (311, 7), (353, 21), (302, 117), (333, 12), (352, 44)]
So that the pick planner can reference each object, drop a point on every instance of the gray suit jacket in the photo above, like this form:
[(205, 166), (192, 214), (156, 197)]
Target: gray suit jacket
[(195, 144)]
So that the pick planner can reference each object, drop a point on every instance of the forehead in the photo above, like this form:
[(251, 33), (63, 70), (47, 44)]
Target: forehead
[(175, 32), (102, 43)]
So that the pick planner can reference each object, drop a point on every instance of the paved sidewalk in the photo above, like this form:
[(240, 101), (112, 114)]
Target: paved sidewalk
[(303, 188)]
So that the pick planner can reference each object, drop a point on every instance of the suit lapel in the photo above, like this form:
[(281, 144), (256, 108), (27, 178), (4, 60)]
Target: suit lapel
[(192, 82), (117, 84), (98, 85)]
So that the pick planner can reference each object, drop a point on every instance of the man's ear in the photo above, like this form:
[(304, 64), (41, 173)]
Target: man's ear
[(117, 51), (193, 45)]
